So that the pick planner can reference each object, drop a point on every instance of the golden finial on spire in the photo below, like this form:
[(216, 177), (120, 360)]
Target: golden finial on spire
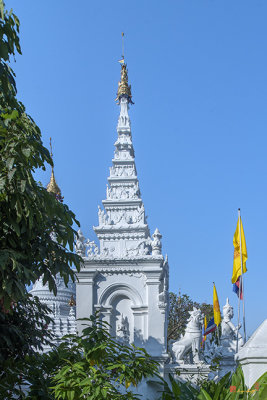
[(52, 186), (124, 88)]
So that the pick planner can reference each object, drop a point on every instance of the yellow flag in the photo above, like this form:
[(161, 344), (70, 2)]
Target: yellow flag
[(237, 258), (216, 307), (205, 327)]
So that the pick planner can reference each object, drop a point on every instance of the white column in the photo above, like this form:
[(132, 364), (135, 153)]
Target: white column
[(84, 297), (155, 323)]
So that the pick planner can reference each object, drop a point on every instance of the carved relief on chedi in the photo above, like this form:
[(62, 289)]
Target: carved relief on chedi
[(122, 216), (122, 192), (124, 171)]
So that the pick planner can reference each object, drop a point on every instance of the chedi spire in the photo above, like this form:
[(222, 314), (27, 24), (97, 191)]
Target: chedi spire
[(123, 230)]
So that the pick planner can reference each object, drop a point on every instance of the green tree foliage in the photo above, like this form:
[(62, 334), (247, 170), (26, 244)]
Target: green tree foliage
[(28, 215), (234, 388), (180, 305), (22, 333), (97, 367), (177, 390), (228, 388), (91, 366), (20, 320)]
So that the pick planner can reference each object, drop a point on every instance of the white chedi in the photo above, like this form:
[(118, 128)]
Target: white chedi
[(62, 306), (125, 278)]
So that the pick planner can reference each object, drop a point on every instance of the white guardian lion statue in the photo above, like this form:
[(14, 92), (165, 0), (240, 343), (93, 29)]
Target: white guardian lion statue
[(190, 341)]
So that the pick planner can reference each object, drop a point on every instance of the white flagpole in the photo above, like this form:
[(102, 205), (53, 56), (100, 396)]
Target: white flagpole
[(238, 318), (241, 283), (240, 280)]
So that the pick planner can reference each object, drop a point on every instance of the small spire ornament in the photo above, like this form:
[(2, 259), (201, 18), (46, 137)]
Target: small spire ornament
[(124, 88), (72, 301)]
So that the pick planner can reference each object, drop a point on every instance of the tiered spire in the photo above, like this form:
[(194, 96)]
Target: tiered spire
[(123, 230)]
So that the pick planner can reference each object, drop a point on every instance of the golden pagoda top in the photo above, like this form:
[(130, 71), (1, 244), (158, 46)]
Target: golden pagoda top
[(52, 186), (124, 89)]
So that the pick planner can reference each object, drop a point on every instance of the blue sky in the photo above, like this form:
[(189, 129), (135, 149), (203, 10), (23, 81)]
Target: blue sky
[(198, 75)]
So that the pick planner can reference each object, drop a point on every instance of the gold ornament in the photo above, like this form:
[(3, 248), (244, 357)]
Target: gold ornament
[(52, 186), (72, 302), (124, 89)]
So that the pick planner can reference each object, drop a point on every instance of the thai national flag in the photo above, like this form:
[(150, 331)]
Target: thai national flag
[(236, 287), (211, 327)]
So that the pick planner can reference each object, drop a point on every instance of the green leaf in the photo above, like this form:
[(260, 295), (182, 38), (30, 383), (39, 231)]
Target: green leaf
[(11, 116), (11, 174), (16, 228), (2, 183), (205, 395), (14, 115), (10, 163), (22, 185), (71, 395), (26, 152)]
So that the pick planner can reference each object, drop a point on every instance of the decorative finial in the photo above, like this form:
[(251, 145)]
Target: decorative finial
[(72, 301), (52, 186), (156, 242), (124, 88)]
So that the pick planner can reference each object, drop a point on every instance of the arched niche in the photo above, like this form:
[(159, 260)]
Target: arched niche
[(121, 318), (119, 299), (118, 289)]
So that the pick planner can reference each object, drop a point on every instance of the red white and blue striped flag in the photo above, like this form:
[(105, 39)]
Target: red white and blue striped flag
[(236, 288), (211, 327)]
